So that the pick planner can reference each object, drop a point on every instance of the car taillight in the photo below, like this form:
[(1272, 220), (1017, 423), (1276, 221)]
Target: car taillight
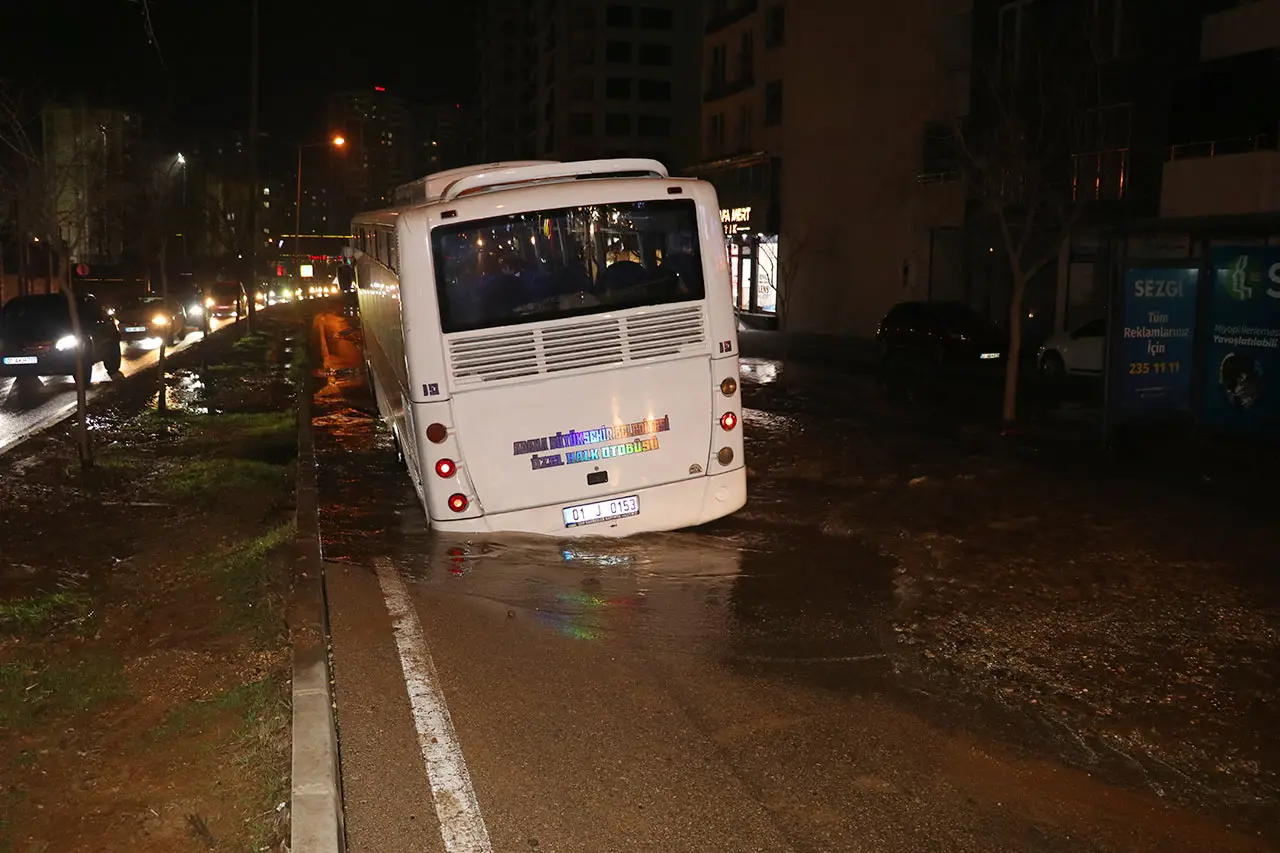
[(728, 421), (445, 468), (436, 433), (458, 503)]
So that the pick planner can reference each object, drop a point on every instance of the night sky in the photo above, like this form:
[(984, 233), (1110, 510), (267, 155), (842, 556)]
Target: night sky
[(422, 49)]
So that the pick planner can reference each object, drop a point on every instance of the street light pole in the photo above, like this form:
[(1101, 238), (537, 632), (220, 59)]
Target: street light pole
[(336, 142), (297, 215)]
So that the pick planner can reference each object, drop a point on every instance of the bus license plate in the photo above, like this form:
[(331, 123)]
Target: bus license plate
[(21, 359), (576, 516), (135, 328)]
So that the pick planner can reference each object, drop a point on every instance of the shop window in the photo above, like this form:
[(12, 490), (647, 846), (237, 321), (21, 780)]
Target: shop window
[(654, 127), (652, 18), (617, 51), (582, 54), (654, 91), (655, 55), (715, 133), (618, 16), (775, 26), (618, 88), (617, 124), (773, 104)]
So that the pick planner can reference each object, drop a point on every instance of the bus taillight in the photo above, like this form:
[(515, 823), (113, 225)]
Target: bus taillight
[(729, 386), (437, 433), (458, 503), (728, 421), (445, 468)]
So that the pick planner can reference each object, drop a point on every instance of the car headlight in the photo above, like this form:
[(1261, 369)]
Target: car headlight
[(159, 320), (195, 310), (208, 303), (67, 342)]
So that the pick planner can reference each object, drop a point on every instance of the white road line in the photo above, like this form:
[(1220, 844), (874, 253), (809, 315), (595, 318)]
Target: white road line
[(457, 808)]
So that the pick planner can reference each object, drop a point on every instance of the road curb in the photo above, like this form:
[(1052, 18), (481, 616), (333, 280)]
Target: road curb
[(316, 817)]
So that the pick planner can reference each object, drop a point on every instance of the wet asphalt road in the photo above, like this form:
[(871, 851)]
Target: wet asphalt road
[(734, 688), (26, 409)]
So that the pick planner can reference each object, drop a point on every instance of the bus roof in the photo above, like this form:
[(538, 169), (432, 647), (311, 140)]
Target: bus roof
[(492, 177)]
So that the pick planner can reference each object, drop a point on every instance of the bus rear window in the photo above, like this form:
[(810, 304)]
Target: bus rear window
[(544, 265)]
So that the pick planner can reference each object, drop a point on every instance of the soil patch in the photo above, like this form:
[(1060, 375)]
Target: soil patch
[(144, 659)]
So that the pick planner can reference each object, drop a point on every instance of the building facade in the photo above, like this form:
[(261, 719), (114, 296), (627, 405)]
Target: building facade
[(378, 152), (506, 54), (616, 80), (818, 126), (90, 159)]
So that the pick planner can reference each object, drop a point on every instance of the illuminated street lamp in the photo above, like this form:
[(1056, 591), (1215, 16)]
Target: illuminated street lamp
[(337, 142)]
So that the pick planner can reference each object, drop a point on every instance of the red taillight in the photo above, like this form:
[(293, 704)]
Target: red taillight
[(445, 468), (728, 421), (436, 433), (458, 503)]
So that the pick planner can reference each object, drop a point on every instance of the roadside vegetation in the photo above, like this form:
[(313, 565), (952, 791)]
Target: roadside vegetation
[(144, 659)]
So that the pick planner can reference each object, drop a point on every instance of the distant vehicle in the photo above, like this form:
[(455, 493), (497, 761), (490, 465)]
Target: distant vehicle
[(942, 333), (191, 297), (145, 321), (227, 299), (37, 337), (1079, 351), (553, 346)]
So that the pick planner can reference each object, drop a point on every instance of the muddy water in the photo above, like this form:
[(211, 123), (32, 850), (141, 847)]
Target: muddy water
[(805, 589)]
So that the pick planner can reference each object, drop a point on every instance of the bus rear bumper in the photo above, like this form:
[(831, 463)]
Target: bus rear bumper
[(673, 506)]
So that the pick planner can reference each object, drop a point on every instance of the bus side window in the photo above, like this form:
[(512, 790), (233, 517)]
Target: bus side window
[(393, 252)]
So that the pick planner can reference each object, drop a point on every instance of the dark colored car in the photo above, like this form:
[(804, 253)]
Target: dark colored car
[(227, 299), (941, 333), (191, 297), (147, 320), (37, 338)]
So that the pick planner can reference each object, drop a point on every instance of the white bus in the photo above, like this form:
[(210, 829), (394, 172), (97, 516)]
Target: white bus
[(554, 347)]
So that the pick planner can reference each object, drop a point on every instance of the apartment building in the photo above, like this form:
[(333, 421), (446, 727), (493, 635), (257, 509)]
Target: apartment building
[(817, 125)]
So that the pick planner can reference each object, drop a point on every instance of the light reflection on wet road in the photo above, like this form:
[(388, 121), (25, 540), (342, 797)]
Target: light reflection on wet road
[(28, 407), (729, 688)]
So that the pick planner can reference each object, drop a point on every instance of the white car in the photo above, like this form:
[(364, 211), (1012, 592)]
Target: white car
[(1080, 351)]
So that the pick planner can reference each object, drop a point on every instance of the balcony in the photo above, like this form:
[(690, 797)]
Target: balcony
[(732, 13), (1233, 177), (1242, 29)]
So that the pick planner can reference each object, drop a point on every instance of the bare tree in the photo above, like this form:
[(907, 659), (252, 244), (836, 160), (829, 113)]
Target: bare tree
[(794, 249), (156, 199), (1035, 114), (56, 193)]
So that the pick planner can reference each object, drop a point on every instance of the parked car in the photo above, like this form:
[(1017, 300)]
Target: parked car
[(37, 337), (147, 320), (1080, 351), (227, 299), (940, 332)]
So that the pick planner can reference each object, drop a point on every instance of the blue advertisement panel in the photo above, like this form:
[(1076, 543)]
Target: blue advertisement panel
[(1152, 357), (1242, 363)]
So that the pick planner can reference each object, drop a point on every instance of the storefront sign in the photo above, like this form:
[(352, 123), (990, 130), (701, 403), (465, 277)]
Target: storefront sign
[(1242, 359), (1152, 357), (735, 219)]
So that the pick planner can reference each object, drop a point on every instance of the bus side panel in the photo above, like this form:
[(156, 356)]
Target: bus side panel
[(380, 316), (423, 345), (722, 322)]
